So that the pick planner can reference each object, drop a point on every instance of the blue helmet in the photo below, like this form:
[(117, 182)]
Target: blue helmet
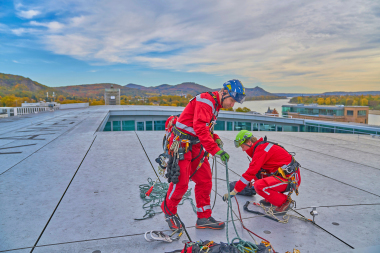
[(236, 90)]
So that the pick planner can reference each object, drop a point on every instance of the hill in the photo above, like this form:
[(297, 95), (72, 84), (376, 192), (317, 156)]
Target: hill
[(97, 90), (10, 81), (257, 91), (166, 89), (20, 86), (194, 89)]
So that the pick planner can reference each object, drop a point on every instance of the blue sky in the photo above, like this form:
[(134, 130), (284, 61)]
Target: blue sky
[(281, 46)]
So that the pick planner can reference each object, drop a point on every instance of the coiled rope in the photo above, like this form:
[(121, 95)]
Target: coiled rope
[(156, 196), (241, 245)]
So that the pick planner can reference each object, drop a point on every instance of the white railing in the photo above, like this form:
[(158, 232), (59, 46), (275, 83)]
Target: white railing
[(14, 111)]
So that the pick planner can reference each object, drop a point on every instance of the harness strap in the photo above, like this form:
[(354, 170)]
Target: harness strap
[(182, 135)]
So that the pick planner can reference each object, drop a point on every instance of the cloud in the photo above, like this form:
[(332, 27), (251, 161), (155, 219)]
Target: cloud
[(53, 26), (19, 31), (28, 14), (277, 43)]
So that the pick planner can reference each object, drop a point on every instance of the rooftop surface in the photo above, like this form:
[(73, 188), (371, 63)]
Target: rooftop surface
[(65, 187)]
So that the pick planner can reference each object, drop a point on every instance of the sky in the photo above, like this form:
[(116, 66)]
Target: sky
[(281, 46)]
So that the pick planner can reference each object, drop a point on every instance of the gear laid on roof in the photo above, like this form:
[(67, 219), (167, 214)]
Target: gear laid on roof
[(213, 247), (154, 193)]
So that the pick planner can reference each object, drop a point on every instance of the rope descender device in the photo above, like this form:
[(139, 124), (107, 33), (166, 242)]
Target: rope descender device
[(153, 235)]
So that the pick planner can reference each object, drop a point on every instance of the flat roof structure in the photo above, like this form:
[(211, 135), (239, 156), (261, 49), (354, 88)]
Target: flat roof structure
[(68, 186)]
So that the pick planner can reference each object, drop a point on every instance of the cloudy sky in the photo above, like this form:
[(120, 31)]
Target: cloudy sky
[(281, 46)]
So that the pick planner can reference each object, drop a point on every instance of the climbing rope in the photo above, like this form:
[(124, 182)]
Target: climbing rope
[(216, 180), (241, 245), (153, 197)]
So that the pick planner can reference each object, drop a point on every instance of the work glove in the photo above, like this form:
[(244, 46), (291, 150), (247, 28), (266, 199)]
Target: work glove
[(224, 156), (220, 143), (232, 194)]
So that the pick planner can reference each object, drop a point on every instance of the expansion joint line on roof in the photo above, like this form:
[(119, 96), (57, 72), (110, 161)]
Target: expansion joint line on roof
[(42, 147), (326, 231), (35, 123), (59, 202)]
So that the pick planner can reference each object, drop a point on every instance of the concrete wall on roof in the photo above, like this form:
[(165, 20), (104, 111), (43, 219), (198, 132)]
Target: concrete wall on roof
[(73, 106)]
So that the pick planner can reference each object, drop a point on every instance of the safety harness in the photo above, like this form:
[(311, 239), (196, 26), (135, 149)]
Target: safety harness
[(286, 173)]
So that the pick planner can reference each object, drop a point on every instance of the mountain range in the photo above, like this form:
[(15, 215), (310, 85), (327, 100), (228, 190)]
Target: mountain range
[(9, 84), (23, 86)]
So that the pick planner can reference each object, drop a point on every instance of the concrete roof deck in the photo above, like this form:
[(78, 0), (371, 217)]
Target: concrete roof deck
[(64, 187)]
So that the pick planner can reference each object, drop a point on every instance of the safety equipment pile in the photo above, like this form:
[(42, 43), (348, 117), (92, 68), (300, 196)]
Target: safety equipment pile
[(156, 196)]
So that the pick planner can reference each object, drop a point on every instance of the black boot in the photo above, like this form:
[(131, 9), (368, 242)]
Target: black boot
[(281, 210), (265, 203), (209, 223), (173, 222)]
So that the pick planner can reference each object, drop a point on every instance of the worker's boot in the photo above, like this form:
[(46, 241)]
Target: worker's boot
[(283, 208), (173, 222), (265, 203), (209, 223)]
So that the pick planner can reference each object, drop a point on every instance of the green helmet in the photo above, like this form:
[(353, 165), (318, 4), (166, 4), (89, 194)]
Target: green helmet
[(241, 137)]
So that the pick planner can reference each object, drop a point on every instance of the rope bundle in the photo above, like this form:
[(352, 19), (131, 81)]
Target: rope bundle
[(156, 197)]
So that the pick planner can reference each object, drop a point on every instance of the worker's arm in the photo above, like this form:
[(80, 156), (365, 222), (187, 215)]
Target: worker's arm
[(202, 117), (258, 161)]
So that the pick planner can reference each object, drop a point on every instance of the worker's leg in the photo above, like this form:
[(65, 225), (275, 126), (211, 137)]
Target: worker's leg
[(271, 189), (176, 191), (203, 185)]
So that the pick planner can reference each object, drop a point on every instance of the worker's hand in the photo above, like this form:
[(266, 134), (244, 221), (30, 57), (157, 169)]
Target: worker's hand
[(232, 194), (220, 143), (224, 156)]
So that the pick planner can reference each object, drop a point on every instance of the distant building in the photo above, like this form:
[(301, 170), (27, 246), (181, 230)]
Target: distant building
[(273, 112), (112, 96), (341, 113), (51, 105), (254, 113)]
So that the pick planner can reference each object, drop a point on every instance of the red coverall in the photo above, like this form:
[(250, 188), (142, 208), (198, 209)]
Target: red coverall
[(195, 121), (268, 157)]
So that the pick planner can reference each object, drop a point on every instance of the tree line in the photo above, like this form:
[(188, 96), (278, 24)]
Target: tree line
[(372, 101)]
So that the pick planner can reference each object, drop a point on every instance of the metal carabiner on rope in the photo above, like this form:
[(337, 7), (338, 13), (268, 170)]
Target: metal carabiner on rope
[(154, 235)]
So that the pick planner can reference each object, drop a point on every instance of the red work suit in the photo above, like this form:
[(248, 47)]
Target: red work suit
[(195, 120), (268, 157)]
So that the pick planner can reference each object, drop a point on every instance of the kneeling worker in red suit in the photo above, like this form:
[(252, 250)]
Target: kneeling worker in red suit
[(273, 169)]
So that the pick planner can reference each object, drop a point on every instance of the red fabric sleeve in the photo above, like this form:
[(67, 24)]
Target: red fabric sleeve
[(216, 137), (202, 117), (258, 160)]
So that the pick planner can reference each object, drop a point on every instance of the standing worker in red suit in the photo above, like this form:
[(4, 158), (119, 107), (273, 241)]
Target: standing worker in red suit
[(274, 170), (191, 141)]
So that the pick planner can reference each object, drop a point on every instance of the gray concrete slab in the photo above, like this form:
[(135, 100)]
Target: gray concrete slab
[(365, 156), (357, 225), (31, 191), (106, 186)]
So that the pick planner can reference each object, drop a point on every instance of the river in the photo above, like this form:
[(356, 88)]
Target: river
[(261, 106)]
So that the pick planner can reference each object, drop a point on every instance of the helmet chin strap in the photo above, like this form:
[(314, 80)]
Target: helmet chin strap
[(224, 97), (246, 144)]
